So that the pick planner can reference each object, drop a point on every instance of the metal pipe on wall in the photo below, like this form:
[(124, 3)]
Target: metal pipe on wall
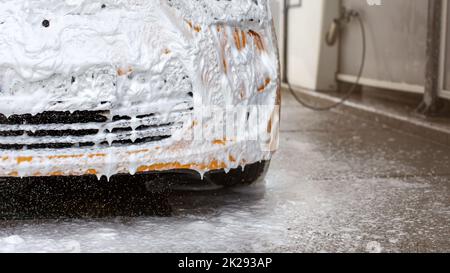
[(285, 38), (430, 104), (286, 7)]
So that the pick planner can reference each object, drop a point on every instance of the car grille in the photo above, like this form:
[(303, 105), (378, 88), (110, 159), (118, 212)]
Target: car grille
[(62, 130)]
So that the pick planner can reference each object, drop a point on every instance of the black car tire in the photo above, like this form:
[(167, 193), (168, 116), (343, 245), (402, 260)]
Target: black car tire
[(241, 176)]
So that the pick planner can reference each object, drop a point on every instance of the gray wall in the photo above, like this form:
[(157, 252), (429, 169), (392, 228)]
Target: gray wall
[(396, 38), (447, 63)]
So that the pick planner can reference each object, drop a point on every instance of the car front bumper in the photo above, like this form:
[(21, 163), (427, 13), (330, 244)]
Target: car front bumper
[(131, 159), (120, 97)]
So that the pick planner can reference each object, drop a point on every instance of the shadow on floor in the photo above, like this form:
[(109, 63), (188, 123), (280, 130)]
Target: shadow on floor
[(88, 197), (81, 197)]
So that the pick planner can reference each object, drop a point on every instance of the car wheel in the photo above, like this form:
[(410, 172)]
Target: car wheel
[(241, 176)]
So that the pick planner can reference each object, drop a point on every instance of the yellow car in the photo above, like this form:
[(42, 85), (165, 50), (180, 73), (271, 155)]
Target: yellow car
[(102, 88)]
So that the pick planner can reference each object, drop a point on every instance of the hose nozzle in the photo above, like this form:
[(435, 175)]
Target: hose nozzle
[(334, 31)]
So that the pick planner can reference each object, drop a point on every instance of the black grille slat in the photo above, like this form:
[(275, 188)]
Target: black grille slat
[(117, 118), (11, 146), (50, 146), (146, 127), (11, 133), (137, 141), (62, 133), (119, 130), (56, 118), (83, 129)]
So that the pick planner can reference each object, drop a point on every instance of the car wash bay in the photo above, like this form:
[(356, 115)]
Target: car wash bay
[(338, 183)]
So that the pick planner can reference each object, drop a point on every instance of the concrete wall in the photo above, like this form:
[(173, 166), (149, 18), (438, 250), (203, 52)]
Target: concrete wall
[(396, 39), (311, 63), (396, 44)]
